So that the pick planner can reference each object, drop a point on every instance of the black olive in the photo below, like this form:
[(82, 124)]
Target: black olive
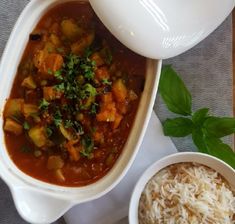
[(35, 37)]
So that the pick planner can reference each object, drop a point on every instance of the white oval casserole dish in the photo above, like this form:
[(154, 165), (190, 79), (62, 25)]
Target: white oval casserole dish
[(40, 202)]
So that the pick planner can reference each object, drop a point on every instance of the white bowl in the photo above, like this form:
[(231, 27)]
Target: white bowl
[(40, 202), (218, 165)]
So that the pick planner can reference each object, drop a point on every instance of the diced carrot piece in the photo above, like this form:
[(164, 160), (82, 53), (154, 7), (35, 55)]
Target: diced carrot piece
[(74, 154), (107, 98), (48, 62), (50, 93), (117, 121), (53, 62), (107, 113), (96, 57), (102, 73), (121, 107), (98, 137), (13, 127), (119, 91)]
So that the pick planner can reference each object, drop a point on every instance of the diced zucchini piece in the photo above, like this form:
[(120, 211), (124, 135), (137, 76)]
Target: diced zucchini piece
[(55, 163), (29, 110), (70, 29), (13, 107), (51, 93), (119, 90), (13, 127), (38, 135), (29, 83), (65, 132)]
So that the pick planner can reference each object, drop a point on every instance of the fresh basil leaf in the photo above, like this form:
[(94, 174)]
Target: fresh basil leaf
[(198, 139), (178, 127), (220, 150), (219, 126), (174, 93), (199, 116)]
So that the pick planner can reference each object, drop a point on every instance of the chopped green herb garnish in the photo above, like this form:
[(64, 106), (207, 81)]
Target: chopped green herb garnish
[(57, 118), (58, 75), (49, 132), (106, 82), (43, 105), (26, 125), (60, 87), (68, 124), (88, 146), (49, 71), (93, 109)]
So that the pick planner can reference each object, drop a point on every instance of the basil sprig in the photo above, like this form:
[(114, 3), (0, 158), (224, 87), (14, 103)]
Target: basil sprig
[(206, 130)]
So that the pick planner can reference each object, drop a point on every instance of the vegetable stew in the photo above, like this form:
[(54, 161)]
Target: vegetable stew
[(73, 100)]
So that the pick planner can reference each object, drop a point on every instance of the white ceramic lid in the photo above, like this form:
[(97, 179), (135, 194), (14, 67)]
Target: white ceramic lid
[(161, 28)]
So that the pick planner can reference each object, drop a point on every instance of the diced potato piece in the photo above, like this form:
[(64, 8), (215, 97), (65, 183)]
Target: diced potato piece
[(29, 83), (96, 57), (55, 40), (102, 73), (39, 58), (29, 110), (107, 113), (119, 91), (59, 175), (13, 127), (70, 29), (79, 46), (13, 107), (55, 163), (65, 132), (50, 93), (117, 121), (38, 135)]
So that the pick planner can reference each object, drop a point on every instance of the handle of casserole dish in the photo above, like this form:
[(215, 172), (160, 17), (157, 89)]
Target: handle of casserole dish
[(36, 207)]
